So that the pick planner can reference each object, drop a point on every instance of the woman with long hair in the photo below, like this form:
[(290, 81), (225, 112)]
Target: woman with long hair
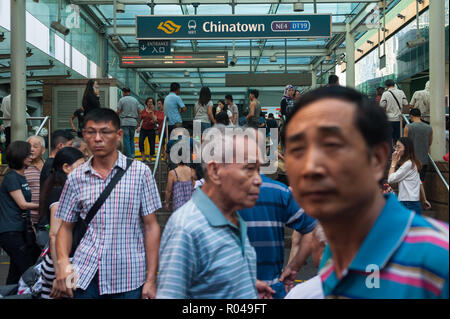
[(222, 107), (66, 160), (404, 170), (15, 205), (91, 96), (203, 109), (148, 129)]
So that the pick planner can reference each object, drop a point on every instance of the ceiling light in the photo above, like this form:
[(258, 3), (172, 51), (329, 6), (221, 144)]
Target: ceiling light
[(401, 16), (299, 6), (328, 58), (370, 42), (359, 50), (186, 73), (273, 58), (120, 7)]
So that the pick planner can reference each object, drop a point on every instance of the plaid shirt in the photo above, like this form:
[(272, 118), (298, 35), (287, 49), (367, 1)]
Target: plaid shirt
[(114, 242)]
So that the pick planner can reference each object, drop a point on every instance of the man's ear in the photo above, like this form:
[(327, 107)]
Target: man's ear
[(378, 159), (213, 169), (120, 133)]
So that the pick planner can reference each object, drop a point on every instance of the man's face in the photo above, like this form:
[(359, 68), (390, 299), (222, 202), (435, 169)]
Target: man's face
[(101, 137), (228, 101), (37, 150), (240, 182), (327, 160)]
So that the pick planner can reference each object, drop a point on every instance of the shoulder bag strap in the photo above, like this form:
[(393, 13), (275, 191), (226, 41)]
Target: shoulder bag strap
[(104, 195), (396, 100)]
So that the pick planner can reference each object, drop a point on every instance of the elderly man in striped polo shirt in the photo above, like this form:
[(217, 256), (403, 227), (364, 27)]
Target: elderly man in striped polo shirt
[(337, 146), (205, 252)]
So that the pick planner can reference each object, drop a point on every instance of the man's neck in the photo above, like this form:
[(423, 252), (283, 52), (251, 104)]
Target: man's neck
[(220, 202), (344, 244), (415, 119), (104, 164), (53, 154)]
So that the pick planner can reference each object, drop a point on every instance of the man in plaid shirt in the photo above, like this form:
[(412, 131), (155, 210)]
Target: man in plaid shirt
[(118, 256)]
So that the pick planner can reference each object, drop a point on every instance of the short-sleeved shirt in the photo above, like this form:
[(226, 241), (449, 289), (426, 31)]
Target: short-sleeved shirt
[(129, 111), (204, 256), (234, 109), (10, 213), (147, 120), (274, 209), (172, 105), (419, 133), (80, 117), (32, 174), (421, 100), (409, 251), (202, 112), (393, 109), (160, 116), (113, 245)]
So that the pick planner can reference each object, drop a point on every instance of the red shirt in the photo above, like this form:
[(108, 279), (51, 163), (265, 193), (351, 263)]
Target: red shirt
[(148, 123), (160, 117)]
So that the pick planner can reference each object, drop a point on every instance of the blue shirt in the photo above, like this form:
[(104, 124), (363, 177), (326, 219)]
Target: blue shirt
[(409, 251), (274, 209), (204, 256), (172, 103)]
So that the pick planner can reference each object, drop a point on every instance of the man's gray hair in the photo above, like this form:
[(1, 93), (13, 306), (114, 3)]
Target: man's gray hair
[(39, 138), (218, 144), (77, 142)]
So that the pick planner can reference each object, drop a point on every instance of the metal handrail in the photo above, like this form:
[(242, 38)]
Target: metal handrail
[(31, 118), (161, 140), (431, 159), (42, 125)]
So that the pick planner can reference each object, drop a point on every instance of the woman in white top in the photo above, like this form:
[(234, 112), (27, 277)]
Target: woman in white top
[(203, 109), (404, 170)]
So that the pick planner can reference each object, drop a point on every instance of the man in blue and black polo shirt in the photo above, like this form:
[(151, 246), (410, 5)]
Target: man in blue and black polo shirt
[(275, 209)]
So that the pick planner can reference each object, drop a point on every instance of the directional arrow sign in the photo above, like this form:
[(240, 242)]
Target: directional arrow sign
[(154, 47)]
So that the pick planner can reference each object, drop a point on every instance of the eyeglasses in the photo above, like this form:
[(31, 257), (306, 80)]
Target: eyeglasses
[(103, 133)]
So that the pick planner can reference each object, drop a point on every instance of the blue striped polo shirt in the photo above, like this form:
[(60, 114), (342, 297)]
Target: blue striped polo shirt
[(204, 256), (409, 251), (274, 209)]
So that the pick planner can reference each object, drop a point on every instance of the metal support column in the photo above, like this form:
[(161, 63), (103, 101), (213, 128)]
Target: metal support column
[(350, 57), (437, 78), (18, 68), (313, 79)]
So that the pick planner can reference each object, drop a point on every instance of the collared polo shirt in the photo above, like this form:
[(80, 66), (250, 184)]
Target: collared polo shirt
[(172, 104), (410, 252), (204, 256), (274, 209), (113, 245)]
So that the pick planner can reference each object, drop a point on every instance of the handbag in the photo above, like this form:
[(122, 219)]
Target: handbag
[(81, 225)]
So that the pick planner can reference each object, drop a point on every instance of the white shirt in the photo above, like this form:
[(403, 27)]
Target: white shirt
[(408, 180), (421, 100), (6, 110), (392, 108), (311, 289)]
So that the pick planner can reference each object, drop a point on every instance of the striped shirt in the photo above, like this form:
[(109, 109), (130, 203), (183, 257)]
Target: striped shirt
[(204, 256), (274, 209), (409, 251), (114, 242), (32, 174)]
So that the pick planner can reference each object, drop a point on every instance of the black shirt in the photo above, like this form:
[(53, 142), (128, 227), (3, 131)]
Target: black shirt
[(10, 213), (271, 123), (91, 102), (80, 117), (45, 171)]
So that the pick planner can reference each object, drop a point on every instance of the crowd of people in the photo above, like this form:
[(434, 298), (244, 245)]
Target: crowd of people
[(87, 214)]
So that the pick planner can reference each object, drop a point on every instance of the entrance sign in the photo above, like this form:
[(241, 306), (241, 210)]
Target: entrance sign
[(233, 27), (157, 47)]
